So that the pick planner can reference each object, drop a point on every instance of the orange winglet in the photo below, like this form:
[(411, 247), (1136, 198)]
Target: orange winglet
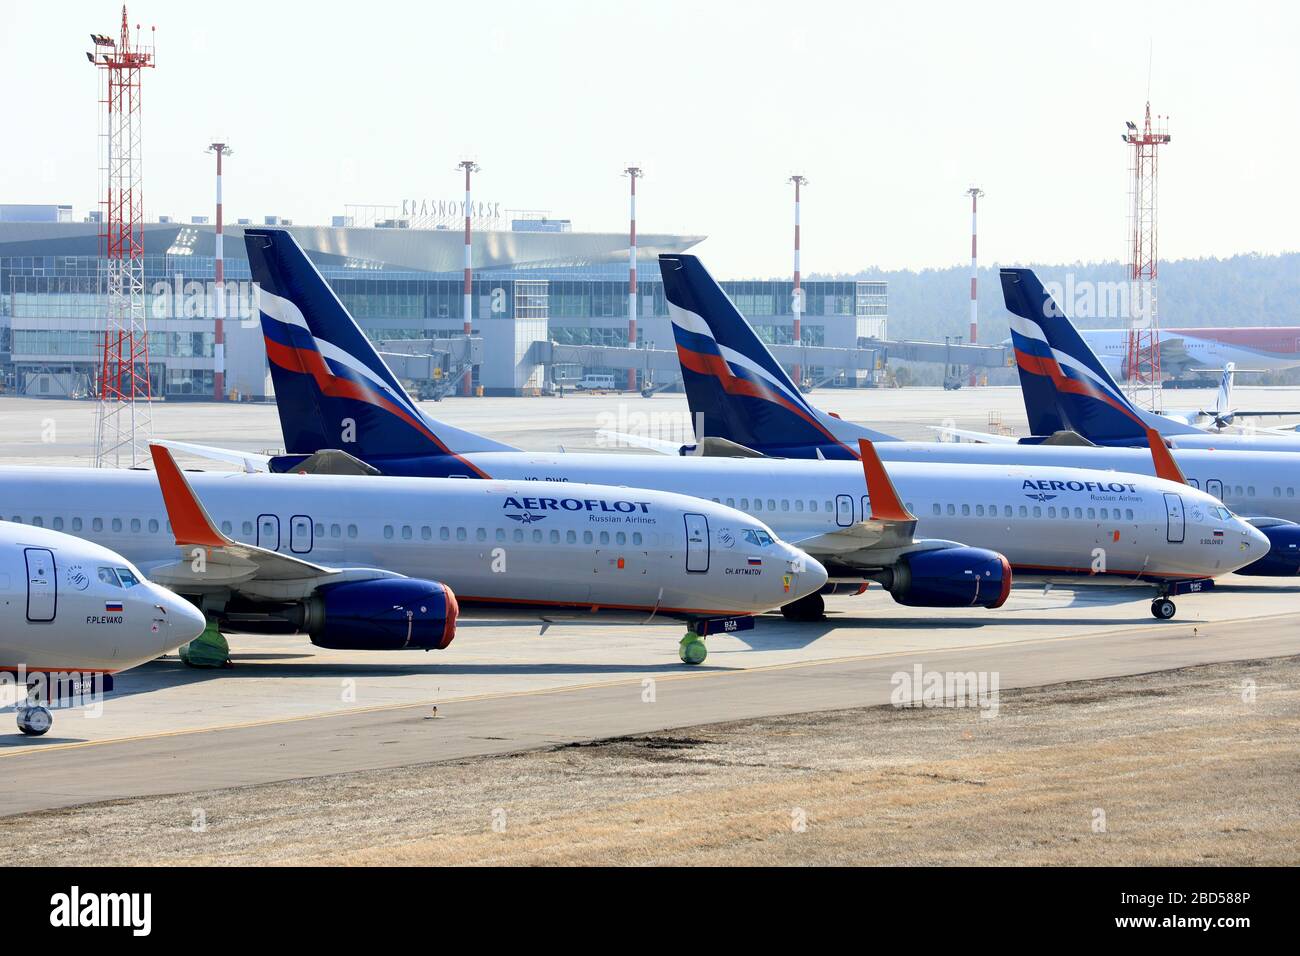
[(885, 503), (190, 520), (1166, 467)]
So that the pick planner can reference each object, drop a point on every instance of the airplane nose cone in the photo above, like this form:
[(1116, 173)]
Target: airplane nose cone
[(1259, 543), (183, 621), (809, 576)]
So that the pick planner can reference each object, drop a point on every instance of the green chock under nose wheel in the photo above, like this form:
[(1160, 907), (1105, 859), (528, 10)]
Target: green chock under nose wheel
[(209, 649), (692, 649)]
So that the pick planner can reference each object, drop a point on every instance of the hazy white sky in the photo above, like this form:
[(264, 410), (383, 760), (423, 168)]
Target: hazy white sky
[(890, 109)]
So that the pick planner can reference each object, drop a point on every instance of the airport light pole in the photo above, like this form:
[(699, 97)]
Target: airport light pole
[(633, 173), (796, 300), (975, 193), (219, 320), (467, 382)]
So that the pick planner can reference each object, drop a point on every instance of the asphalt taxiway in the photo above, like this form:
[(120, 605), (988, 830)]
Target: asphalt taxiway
[(297, 712)]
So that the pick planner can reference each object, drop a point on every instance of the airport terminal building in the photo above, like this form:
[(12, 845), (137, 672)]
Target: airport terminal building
[(546, 300)]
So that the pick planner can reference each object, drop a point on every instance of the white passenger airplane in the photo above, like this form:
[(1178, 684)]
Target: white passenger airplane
[(1057, 524), (1222, 415), (1182, 351), (1053, 525), (71, 607), (365, 564), (742, 402)]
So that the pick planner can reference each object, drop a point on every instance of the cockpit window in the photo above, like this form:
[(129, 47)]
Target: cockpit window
[(760, 538), (109, 577), (127, 577), (1223, 513)]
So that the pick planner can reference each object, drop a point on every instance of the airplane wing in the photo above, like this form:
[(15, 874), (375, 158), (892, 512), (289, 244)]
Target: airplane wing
[(212, 561), (883, 537)]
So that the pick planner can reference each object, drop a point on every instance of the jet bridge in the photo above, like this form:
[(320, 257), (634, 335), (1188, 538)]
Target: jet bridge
[(661, 365), (508, 363)]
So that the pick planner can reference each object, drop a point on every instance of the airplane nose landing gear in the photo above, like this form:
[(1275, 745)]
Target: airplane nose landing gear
[(34, 718), (1163, 609), (691, 649), (34, 721)]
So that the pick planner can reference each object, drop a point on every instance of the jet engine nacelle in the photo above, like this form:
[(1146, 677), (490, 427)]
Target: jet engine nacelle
[(952, 577), (388, 614), (1283, 558)]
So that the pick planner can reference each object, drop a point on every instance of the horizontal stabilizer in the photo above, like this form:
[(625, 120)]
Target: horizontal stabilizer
[(248, 461), (629, 440), (948, 433)]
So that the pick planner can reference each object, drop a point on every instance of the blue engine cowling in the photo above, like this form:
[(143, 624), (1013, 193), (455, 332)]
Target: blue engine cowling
[(1283, 558), (388, 614), (952, 577)]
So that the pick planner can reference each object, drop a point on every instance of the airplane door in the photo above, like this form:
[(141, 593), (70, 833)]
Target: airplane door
[(1177, 525), (844, 510), (1214, 487), (300, 534), (42, 585), (697, 543), (268, 532)]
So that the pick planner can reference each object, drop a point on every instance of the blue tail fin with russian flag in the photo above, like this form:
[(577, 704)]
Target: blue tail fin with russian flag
[(736, 388), (332, 388), (1065, 385)]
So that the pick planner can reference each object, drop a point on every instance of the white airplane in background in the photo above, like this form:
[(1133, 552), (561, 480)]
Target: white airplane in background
[(379, 565), (1268, 348), (1222, 415), (68, 606)]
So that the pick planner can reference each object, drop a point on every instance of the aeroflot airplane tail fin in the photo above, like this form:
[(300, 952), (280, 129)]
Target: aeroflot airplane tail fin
[(332, 388), (1065, 386), (736, 389)]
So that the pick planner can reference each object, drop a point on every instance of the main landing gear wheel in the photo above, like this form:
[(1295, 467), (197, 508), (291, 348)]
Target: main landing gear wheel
[(1163, 608), (692, 649), (34, 721), (812, 607)]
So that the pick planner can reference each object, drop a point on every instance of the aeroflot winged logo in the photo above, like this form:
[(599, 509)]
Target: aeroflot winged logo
[(526, 517)]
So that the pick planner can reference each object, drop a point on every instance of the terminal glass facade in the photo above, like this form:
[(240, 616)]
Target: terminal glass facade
[(51, 313)]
